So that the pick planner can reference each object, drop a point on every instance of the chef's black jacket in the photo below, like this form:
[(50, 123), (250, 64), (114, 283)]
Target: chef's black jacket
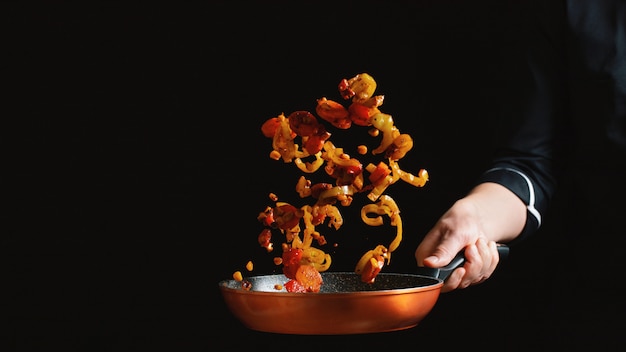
[(564, 154), (567, 103)]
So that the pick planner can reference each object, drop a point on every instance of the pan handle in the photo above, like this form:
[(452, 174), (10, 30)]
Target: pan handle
[(443, 272)]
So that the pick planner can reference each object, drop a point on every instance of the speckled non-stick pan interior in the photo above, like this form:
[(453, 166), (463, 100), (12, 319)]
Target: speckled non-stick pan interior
[(338, 282)]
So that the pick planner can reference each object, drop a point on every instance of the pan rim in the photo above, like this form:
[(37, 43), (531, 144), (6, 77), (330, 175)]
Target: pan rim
[(437, 283)]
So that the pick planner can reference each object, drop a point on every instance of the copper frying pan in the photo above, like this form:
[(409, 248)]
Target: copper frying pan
[(345, 305)]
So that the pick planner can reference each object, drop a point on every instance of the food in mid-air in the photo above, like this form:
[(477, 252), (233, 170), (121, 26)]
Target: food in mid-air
[(303, 139)]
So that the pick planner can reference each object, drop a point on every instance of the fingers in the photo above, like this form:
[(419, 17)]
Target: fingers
[(495, 257), (453, 281), (481, 260), (455, 231)]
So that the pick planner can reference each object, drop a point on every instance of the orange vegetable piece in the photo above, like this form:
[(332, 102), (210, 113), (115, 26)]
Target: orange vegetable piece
[(270, 126), (361, 114), (333, 112), (309, 277), (372, 268), (379, 173)]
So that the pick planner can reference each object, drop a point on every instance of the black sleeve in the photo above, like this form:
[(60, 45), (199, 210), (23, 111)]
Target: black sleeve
[(531, 109)]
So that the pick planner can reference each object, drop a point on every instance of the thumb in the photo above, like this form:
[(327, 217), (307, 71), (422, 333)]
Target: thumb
[(443, 254)]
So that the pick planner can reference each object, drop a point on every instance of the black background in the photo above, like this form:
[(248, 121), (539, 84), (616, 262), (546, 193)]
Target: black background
[(135, 166)]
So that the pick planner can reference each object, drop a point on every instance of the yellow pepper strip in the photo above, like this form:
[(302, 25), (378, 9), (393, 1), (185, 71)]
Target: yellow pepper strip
[(293, 235), (337, 156), (396, 241), (385, 205), (373, 209), (283, 141), (318, 258), (394, 214), (418, 181), (309, 228), (335, 218), (380, 187), (310, 167), (384, 123), (303, 187), (365, 258)]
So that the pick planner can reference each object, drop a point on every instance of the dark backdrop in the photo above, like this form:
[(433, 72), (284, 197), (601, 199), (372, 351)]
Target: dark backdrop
[(137, 167)]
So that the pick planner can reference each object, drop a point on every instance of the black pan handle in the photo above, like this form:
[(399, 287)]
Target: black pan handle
[(443, 272)]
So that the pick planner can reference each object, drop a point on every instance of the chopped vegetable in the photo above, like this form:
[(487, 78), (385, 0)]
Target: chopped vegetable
[(333, 112), (291, 262), (372, 268), (301, 138), (309, 277), (237, 275)]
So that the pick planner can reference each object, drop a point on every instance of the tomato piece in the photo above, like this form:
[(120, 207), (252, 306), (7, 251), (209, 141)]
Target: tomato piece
[(315, 142), (333, 112), (345, 90), (353, 169), (361, 114), (265, 238), (291, 261), (343, 124), (303, 123), (267, 217), (372, 268), (270, 126), (346, 174), (318, 216), (309, 277), (287, 216), (318, 188), (292, 256), (294, 286), (290, 271)]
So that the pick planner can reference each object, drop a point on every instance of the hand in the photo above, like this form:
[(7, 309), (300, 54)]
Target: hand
[(460, 228)]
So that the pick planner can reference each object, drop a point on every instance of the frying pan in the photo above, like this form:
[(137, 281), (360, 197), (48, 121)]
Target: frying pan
[(344, 305)]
